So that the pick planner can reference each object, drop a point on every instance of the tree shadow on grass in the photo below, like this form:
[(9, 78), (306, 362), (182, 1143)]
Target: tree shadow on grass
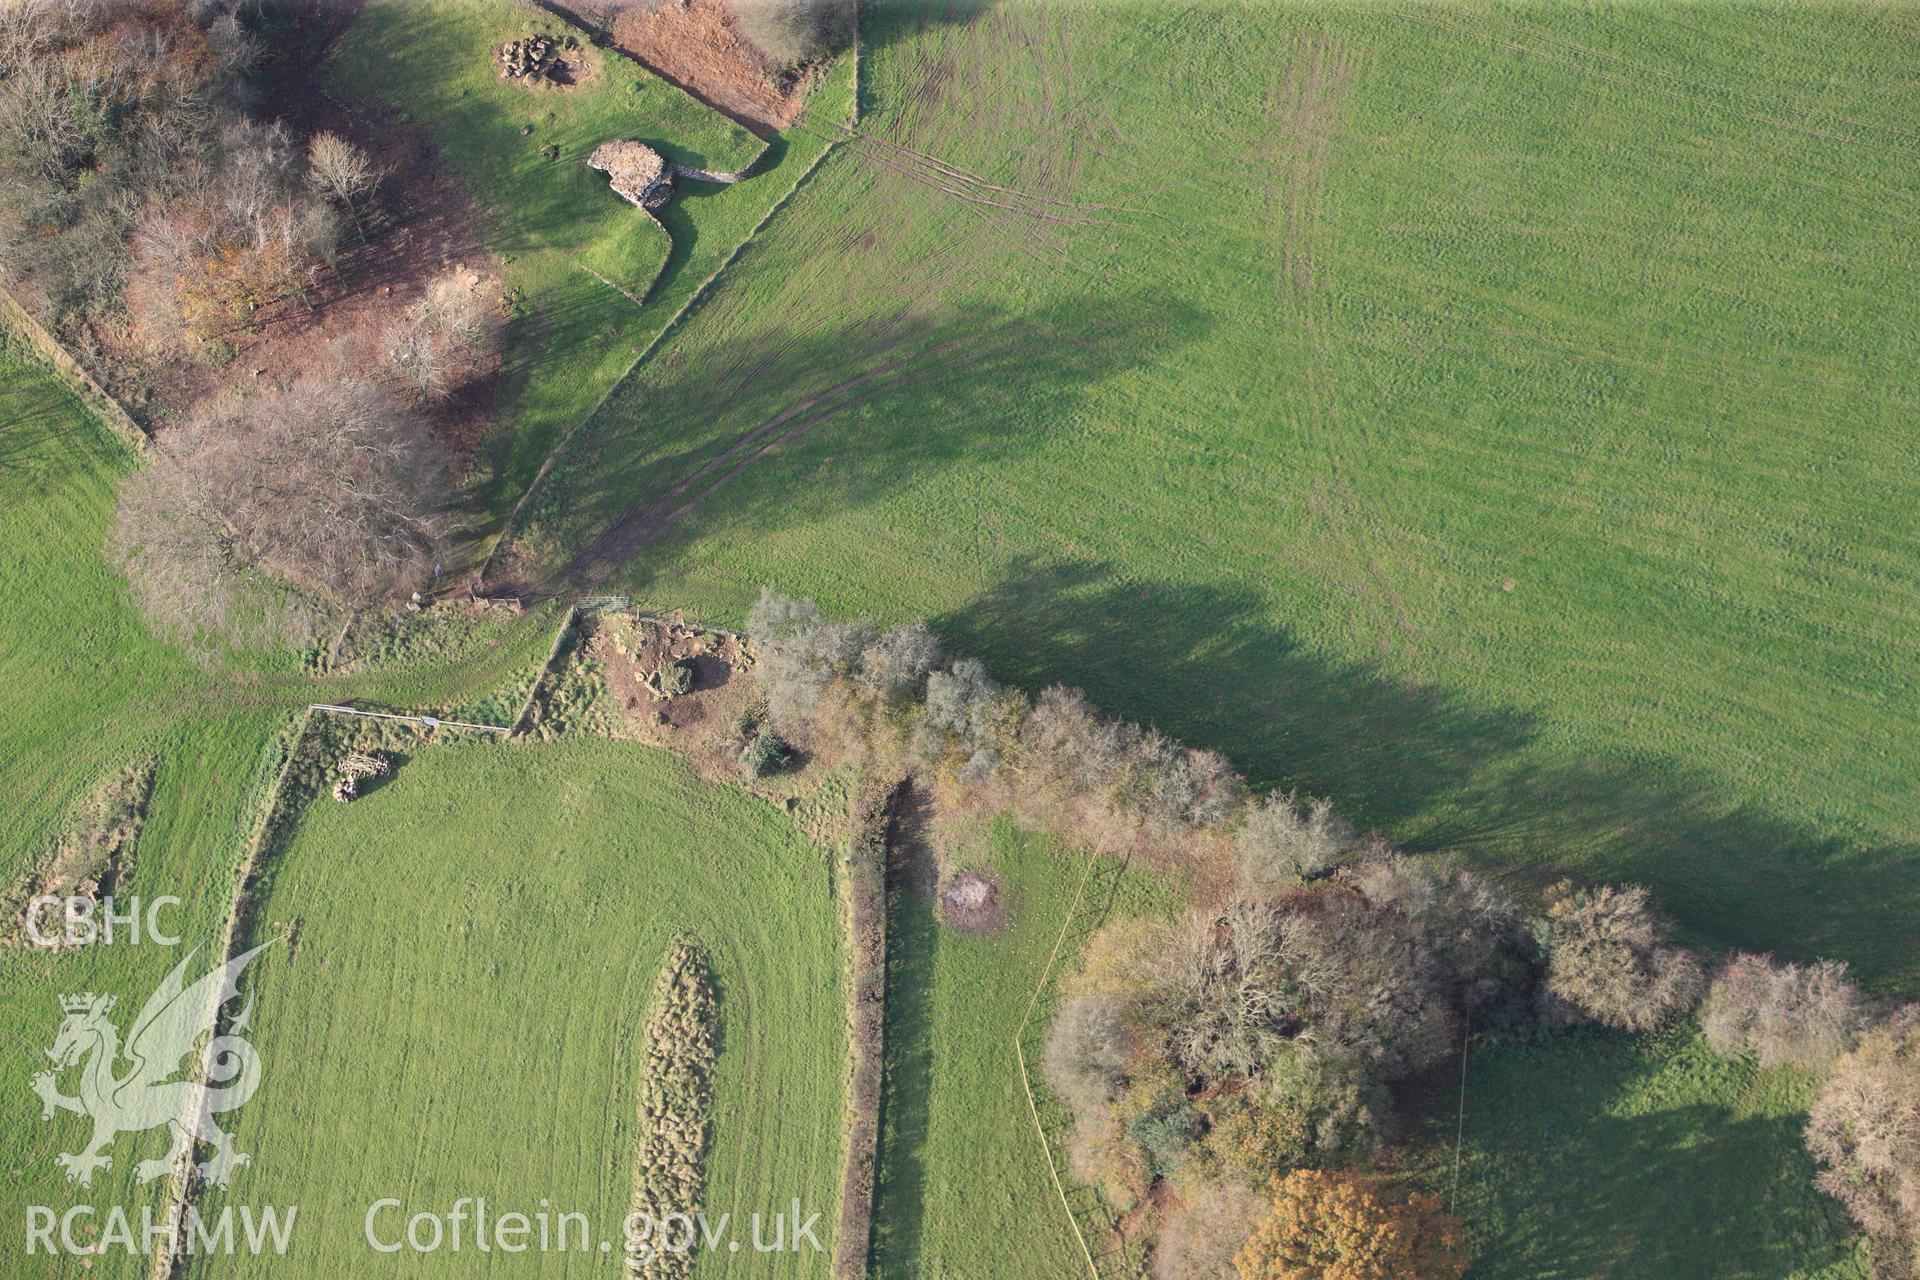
[(683, 228), (569, 324), (890, 22), (963, 391), (1577, 1165), (1436, 772), (981, 387), (913, 936)]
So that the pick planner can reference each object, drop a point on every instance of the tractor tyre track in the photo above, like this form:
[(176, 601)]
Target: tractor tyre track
[(641, 526)]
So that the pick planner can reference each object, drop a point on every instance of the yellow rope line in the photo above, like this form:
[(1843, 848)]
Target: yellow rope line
[(1026, 1079)]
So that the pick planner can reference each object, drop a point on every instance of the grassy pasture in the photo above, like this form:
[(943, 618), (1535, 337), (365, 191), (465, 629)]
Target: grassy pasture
[(476, 668), (963, 1182), (1493, 417), (561, 232), (1580, 1146), (460, 1011), (83, 691), (1496, 418)]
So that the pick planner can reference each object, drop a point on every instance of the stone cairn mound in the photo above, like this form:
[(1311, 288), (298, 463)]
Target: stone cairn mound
[(535, 58), (638, 173), (355, 766)]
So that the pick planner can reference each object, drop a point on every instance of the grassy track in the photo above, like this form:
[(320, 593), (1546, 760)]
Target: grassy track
[(555, 223), (963, 1182), (1495, 418), (460, 1014)]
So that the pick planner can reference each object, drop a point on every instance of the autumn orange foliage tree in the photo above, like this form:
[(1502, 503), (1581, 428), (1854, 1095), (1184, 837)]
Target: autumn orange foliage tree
[(107, 107), (1339, 1226)]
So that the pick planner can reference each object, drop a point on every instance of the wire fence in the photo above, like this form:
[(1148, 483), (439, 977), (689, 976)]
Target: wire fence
[(1096, 1228), (430, 722)]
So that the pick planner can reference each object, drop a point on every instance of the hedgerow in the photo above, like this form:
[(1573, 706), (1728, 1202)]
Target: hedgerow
[(676, 1097), (1264, 1030)]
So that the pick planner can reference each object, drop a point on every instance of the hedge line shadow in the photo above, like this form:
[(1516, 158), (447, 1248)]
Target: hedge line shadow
[(1437, 772)]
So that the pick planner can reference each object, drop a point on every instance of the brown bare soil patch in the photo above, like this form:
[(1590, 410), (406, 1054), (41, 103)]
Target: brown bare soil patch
[(694, 44), (422, 223), (973, 902), (700, 723)]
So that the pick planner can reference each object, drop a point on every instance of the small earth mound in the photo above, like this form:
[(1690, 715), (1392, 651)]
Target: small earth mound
[(972, 903)]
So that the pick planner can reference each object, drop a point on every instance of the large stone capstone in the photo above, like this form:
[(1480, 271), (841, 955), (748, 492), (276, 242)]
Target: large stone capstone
[(636, 170)]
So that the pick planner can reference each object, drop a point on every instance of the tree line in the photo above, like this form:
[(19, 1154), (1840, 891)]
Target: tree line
[(1248, 1054)]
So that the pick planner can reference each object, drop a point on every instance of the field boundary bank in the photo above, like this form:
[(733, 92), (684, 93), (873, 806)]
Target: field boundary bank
[(698, 295), (269, 826), (869, 846), (102, 407), (179, 1194), (16, 320), (637, 299), (878, 814), (429, 722), (1078, 924), (267, 829), (505, 536), (560, 635)]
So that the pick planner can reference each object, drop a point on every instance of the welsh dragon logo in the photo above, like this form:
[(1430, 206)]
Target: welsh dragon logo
[(170, 1026)]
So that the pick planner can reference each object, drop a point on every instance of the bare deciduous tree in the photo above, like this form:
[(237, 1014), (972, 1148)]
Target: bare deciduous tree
[(1473, 939), (1865, 1129), (444, 339), (105, 108), (1384, 1002), (1234, 985), (243, 232), (1782, 1014), (188, 578), (1285, 841), (341, 171), (329, 483), (1087, 1051), (1201, 1235), (1609, 960), (791, 32), (799, 669), (896, 665)]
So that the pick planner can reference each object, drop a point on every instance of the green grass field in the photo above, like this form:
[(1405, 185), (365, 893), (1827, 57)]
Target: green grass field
[(1596, 1155), (460, 1009), (1495, 418), (86, 691), (558, 228), (1491, 417), (963, 1187)]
